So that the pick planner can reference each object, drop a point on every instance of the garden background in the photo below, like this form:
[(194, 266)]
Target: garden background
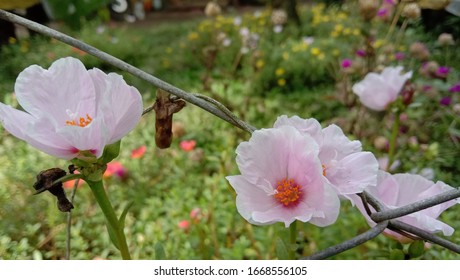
[(260, 64)]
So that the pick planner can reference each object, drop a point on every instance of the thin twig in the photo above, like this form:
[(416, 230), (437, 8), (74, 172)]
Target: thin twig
[(347, 245), (69, 220), (416, 206), (120, 64)]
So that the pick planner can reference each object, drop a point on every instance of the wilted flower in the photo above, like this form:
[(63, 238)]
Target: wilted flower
[(138, 152), (345, 166), (70, 110), (187, 145), (282, 179), (212, 9), (429, 69), (419, 51), (446, 39), (402, 189), (368, 9), (279, 17), (377, 91), (411, 11)]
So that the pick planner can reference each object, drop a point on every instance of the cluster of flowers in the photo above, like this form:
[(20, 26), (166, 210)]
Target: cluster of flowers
[(298, 170)]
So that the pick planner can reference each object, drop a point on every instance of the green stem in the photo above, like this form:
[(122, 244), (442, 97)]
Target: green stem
[(112, 221), (394, 137), (292, 240)]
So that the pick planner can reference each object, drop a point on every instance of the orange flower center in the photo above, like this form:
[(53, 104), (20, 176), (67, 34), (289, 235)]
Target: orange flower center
[(288, 192), (324, 170), (82, 122)]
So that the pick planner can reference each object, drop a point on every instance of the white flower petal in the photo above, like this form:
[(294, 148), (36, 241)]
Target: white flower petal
[(51, 93), (119, 104)]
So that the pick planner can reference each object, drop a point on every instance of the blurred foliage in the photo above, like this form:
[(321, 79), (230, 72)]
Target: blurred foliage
[(259, 73)]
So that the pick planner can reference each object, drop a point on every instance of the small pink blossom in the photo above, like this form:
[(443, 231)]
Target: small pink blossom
[(345, 165), (184, 225), (139, 152), (377, 91), (196, 215), (282, 180), (187, 145), (403, 189), (400, 56), (115, 168), (69, 109), (361, 53)]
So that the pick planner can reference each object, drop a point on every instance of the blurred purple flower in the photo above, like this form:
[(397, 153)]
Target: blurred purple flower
[(399, 56), (346, 63), (361, 53), (443, 71), (455, 88), (382, 12), (445, 101)]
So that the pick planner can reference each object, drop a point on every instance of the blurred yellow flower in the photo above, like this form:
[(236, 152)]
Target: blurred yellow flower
[(334, 34), (281, 82), (285, 55), (193, 36), (169, 50), (315, 51), (336, 52), (378, 43), (321, 56), (260, 63), (279, 71), (347, 31), (338, 27), (356, 32), (12, 40)]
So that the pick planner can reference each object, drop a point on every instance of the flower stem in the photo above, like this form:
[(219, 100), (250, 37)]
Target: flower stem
[(113, 223), (292, 240), (394, 136)]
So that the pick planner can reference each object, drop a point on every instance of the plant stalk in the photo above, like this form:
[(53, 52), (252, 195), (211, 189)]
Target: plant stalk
[(112, 221)]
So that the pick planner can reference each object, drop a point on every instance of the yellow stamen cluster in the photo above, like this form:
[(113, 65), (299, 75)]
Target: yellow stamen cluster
[(287, 192), (82, 122)]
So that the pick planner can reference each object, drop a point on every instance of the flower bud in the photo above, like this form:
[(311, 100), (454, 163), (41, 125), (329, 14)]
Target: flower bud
[(446, 39)]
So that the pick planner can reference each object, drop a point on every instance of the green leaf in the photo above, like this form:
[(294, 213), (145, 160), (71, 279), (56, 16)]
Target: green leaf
[(160, 253), (397, 255), (416, 249), (110, 152), (281, 250), (121, 220)]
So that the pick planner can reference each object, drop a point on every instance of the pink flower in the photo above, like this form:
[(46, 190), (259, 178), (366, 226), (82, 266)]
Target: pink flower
[(70, 109), (281, 180), (361, 53), (115, 168), (139, 152), (184, 225), (402, 189), (399, 56), (187, 145), (345, 166), (377, 91)]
